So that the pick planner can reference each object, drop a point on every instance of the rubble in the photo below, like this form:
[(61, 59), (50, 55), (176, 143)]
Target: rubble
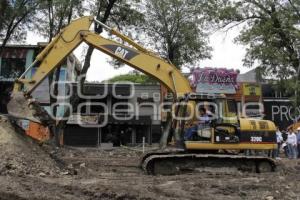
[(82, 165), (28, 171), (41, 174), (20, 155)]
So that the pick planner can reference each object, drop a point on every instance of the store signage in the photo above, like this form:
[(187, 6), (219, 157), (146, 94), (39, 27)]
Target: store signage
[(214, 80), (251, 89)]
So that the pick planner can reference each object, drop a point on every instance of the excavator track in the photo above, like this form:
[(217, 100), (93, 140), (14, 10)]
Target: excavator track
[(178, 162)]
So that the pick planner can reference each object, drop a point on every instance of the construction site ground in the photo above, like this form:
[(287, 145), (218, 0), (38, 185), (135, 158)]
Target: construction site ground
[(32, 171)]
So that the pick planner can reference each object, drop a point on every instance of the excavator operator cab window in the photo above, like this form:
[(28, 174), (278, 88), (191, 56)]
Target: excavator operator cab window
[(201, 129), (232, 108), (207, 111), (216, 117), (227, 111)]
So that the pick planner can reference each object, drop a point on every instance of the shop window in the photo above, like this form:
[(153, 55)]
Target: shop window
[(12, 68), (5, 88), (145, 100), (62, 74), (120, 106), (253, 109), (142, 131), (232, 106), (97, 106)]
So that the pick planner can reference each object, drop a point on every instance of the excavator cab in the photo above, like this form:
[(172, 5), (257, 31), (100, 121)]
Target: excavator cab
[(216, 118), (218, 126)]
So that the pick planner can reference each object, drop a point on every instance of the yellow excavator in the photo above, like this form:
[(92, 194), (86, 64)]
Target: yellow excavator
[(216, 145)]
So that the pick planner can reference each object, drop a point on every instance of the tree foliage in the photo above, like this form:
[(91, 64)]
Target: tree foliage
[(15, 17), (271, 32), (176, 30), (53, 15), (134, 77), (124, 16), (268, 31)]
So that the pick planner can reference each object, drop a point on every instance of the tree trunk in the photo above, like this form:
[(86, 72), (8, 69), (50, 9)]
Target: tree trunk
[(98, 29), (70, 11), (7, 35)]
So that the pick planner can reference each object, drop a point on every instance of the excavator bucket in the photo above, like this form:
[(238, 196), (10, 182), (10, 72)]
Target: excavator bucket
[(27, 108)]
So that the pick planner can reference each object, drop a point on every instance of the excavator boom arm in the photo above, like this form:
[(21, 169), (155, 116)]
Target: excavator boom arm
[(140, 59)]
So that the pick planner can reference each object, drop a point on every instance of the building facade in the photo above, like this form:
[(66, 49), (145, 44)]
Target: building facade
[(15, 59), (120, 114), (278, 108), (13, 62), (244, 89)]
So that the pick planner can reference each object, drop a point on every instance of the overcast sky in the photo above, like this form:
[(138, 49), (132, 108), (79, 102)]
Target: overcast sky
[(225, 54)]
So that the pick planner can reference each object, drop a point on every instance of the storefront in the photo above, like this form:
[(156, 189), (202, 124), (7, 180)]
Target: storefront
[(129, 132), (14, 60), (130, 115), (278, 108), (249, 100), (246, 92), (5, 88)]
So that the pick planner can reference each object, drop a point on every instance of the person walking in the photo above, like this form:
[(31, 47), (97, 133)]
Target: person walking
[(298, 141), (292, 144)]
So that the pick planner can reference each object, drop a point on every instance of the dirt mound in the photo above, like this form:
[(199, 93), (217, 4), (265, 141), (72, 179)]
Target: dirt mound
[(20, 155)]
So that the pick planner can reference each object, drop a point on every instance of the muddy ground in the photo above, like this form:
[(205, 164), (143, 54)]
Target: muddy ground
[(32, 171)]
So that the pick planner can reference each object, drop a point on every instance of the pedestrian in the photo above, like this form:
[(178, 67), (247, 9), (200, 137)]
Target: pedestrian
[(292, 144), (284, 135), (279, 141), (122, 138), (298, 141), (284, 145)]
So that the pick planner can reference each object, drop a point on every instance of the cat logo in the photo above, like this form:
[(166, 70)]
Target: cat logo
[(121, 52)]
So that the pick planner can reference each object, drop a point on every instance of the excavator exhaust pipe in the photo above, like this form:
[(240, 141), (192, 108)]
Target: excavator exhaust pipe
[(20, 107)]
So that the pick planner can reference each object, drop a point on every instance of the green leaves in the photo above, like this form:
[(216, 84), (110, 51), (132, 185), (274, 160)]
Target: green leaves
[(133, 77), (176, 30), (15, 17), (53, 15), (268, 32)]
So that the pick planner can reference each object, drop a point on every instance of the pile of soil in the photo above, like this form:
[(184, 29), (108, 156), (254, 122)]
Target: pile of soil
[(22, 156), (115, 174)]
